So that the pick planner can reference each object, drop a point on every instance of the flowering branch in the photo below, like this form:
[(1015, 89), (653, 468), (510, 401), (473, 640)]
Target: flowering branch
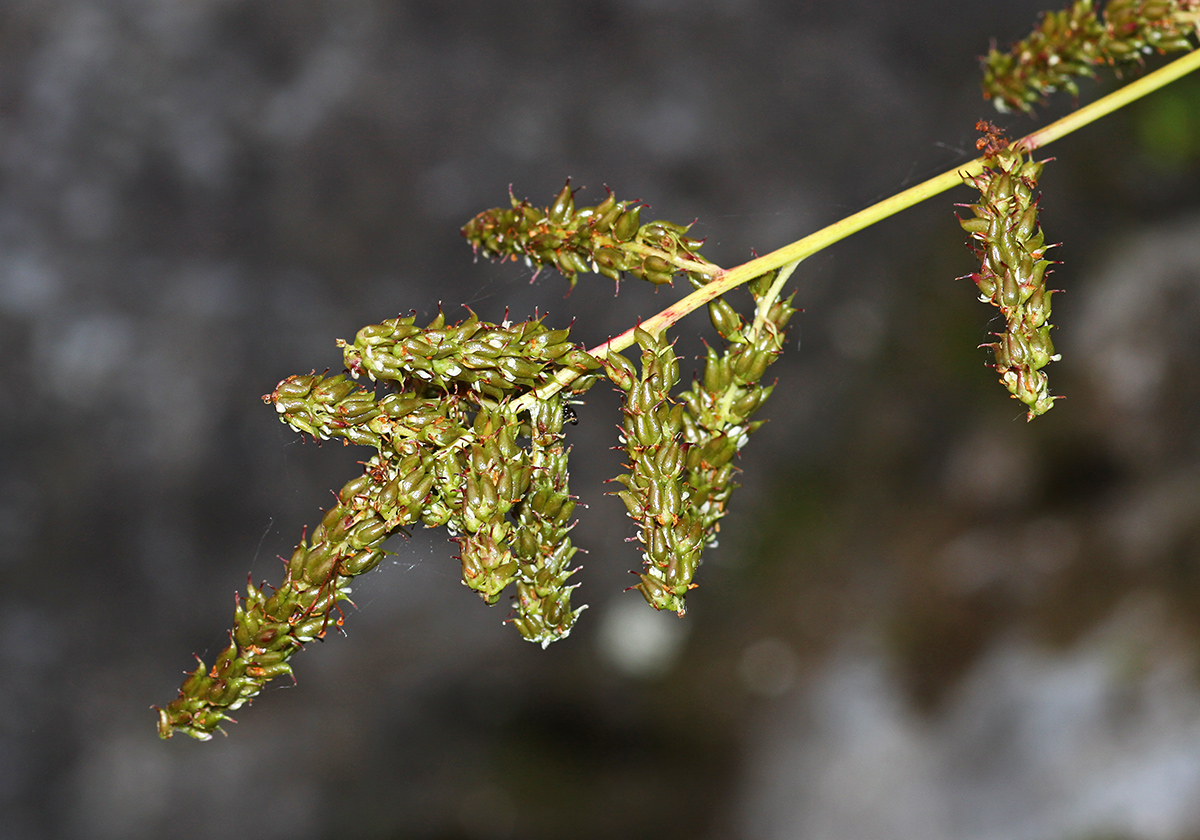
[(466, 422)]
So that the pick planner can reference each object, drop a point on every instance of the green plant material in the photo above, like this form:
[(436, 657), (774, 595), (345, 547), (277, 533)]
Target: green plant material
[(681, 453), (716, 423), (493, 474), (327, 407), (1133, 28), (468, 432), (1167, 127), (656, 495), (1071, 43), (1005, 235), (270, 627), (608, 239), (541, 546), (491, 360), (445, 454)]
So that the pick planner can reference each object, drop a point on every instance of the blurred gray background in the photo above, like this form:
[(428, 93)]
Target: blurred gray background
[(926, 618)]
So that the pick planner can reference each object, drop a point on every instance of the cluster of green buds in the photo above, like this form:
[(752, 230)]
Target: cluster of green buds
[(716, 423), (656, 493), (269, 627), (1005, 235), (466, 422), (681, 453), (447, 440), (1070, 43), (1135, 27), (608, 239), (541, 545), (327, 407), (489, 476), (468, 432), (489, 360)]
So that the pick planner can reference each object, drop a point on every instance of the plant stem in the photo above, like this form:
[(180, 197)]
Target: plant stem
[(768, 300), (1117, 99), (727, 279), (760, 316), (838, 231)]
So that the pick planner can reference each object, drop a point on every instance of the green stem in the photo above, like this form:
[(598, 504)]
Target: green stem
[(838, 231), (760, 316), (768, 300), (727, 279), (1117, 99), (698, 267)]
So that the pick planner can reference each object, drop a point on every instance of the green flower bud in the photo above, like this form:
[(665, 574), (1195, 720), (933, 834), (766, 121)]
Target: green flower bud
[(563, 207), (626, 226), (974, 225), (725, 320)]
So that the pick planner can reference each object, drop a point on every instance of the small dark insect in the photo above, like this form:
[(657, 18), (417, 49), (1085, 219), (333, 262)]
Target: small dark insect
[(569, 415), (993, 140)]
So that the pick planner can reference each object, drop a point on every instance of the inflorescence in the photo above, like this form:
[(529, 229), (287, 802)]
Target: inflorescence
[(1006, 237), (608, 239), (466, 420), (1074, 42)]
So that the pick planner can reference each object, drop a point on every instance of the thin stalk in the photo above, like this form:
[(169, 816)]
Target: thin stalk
[(772, 295), (811, 244), (726, 279), (760, 317), (1119, 98)]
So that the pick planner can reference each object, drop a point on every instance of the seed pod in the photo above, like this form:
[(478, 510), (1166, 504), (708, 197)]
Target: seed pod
[(294, 387), (362, 562), (974, 225), (368, 532), (627, 224), (657, 265), (563, 207), (658, 278), (376, 333)]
